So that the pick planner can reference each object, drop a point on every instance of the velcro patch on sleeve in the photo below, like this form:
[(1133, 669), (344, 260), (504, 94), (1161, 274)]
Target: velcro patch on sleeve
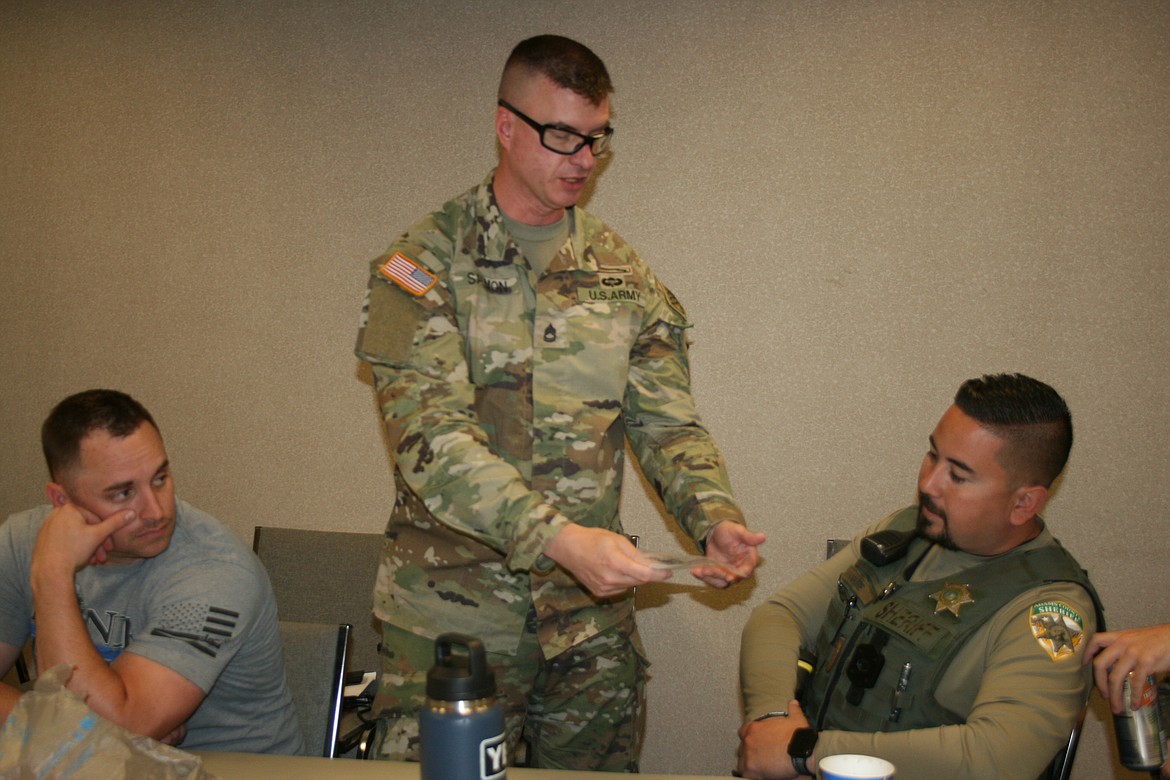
[(392, 322), (408, 274), (1058, 628)]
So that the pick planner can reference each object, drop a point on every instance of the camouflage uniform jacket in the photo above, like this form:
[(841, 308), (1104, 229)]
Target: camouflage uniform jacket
[(507, 400)]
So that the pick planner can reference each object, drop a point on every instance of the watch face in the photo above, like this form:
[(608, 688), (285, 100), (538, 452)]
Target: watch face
[(802, 743)]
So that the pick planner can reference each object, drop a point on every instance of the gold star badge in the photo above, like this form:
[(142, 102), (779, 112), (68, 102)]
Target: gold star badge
[(951, 597)]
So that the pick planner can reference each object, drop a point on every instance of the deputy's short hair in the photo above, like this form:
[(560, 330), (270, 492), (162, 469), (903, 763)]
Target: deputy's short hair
[(1031, 418)]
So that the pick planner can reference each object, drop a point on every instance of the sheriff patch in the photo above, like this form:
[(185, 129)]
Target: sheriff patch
[(408, 274), (1058, 628)]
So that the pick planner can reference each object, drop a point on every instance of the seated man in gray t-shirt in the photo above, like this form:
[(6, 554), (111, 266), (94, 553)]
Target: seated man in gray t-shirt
[(166, 617)]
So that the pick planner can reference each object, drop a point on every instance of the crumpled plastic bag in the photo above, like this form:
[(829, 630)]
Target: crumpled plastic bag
[(52, 734)]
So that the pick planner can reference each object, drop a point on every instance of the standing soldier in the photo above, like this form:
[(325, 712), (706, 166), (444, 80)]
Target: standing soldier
[(517, 343)]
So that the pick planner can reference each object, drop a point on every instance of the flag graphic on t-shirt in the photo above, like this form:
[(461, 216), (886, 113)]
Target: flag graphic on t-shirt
[(202, 626)]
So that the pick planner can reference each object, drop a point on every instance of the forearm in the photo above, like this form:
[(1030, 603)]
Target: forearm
[(62, 639), (768, 652), (776, 631), (687, 470), (675, 450), (922, 754), (964, 752)]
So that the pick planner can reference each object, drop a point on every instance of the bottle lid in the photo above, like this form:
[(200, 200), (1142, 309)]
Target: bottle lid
[(460, 677)]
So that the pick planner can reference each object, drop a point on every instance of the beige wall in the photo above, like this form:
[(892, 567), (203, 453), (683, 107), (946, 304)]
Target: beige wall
[(860, 204)]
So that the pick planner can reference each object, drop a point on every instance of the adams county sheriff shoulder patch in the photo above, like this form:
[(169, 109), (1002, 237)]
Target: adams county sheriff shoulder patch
[(1058, 628)]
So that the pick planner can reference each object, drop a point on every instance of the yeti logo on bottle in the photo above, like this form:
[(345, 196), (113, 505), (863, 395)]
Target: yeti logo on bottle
[(493, 758)]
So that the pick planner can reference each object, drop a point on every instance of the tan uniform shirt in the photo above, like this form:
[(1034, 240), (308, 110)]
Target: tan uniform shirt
[(1020, 702)]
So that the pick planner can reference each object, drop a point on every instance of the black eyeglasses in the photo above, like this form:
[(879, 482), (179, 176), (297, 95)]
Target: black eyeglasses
[(562, 140)]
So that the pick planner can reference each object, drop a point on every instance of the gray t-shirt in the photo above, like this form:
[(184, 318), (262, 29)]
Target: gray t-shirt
[(203, 608)]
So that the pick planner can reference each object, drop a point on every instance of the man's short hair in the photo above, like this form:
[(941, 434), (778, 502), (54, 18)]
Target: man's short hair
[(565, 62), (80, 414), (1031, 418)]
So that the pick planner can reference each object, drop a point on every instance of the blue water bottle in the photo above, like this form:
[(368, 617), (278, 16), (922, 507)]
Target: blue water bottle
[(461, 727)]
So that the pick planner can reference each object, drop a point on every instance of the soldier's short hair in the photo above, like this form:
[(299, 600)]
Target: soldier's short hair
[(565, 62), (1031, 418), (82, 413)]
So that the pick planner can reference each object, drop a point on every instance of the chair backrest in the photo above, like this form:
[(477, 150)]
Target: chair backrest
[(314, 665), (834, 546), (1061, 766), (326, 577)]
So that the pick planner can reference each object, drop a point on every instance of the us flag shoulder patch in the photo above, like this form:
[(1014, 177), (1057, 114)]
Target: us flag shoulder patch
[(408, 274)]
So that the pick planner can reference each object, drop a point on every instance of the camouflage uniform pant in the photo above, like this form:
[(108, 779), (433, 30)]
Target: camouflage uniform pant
[(581, 710)]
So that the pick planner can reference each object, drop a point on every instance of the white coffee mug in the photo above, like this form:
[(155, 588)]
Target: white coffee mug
[(854, 767)]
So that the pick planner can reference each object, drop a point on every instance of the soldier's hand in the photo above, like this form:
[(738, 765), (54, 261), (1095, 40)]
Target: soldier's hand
[(606, 563), (734, 545)]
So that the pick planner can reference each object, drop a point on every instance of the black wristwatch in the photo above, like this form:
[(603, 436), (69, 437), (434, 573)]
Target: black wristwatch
[(800, 748)]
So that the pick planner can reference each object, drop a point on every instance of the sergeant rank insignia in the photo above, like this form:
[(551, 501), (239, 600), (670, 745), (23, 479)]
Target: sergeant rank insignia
[(1057, 627), (951, 598)]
